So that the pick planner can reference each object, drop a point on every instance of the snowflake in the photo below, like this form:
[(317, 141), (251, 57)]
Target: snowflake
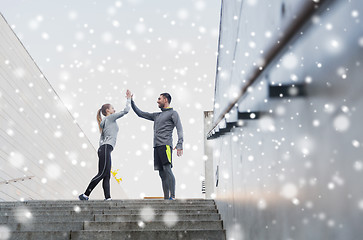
[(170, 218), (147, 214)]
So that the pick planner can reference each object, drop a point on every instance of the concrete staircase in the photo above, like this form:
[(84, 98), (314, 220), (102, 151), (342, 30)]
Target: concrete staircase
[(116, 219)]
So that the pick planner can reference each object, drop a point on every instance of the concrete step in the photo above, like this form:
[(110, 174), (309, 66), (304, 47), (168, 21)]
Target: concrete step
[(109, 218), (115, 208), (120, 235), (132, 225), (155, 225), (105, 212), (117, 219), (157, 217), (113, 202), (151, 235), (5, 207), (46, 226), (42, 235), (54, 218)]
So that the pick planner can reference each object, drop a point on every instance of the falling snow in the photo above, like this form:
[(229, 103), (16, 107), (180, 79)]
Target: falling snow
[(147, 214), (170, 218), (302, 151), (23, 215), (5, 232), (289, 190)]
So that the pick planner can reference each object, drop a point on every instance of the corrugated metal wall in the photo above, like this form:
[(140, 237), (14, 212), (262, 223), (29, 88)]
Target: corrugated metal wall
[(295, 171), (43, 152)]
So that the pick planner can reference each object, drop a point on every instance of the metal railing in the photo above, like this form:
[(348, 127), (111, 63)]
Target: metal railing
[(292, 31), (16, 180)]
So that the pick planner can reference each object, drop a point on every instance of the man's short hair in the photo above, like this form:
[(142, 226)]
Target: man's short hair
[(167, 96)]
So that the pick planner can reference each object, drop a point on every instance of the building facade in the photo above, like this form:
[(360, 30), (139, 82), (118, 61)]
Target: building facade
[(286, 134)]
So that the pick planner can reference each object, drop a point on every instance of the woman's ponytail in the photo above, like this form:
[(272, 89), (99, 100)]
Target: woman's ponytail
[(103, 111), (99, 119)]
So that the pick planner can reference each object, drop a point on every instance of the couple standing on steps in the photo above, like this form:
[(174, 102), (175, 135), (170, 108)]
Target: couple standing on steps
[(164, 124)]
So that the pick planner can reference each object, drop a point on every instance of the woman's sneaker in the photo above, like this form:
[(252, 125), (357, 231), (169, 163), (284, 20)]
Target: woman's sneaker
[(83, 197), (108, 199)]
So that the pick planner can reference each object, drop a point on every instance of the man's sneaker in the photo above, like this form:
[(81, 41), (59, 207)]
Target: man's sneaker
[(83, 197), (171, 198), (108, 199)]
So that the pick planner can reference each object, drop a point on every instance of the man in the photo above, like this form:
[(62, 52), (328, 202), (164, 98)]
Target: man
[(164, 124)]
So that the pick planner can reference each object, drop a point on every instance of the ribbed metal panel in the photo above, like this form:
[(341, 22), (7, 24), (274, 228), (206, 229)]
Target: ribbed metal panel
[(43, 152)]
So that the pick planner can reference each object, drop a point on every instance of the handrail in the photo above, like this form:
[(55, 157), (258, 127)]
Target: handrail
[(310, 8), (16, 180)]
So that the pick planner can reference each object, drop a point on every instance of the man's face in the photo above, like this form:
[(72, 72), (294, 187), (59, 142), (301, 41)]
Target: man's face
[(161, 101)]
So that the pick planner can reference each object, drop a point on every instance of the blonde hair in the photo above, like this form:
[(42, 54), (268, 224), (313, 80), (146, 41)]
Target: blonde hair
[(103, 110)]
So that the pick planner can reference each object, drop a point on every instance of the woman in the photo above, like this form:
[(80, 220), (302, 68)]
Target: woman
[(109, 129)]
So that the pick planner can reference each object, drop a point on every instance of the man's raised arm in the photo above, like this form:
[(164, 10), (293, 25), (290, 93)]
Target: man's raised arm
[(146, 115)]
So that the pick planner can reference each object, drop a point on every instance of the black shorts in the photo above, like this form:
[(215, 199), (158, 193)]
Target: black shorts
[(162, 156)]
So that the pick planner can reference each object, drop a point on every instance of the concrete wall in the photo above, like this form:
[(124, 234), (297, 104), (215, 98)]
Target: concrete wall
[(296, 172), (43, 152), (208, 157)]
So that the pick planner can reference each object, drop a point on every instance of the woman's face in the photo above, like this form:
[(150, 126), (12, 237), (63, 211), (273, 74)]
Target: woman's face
[(110, 110)]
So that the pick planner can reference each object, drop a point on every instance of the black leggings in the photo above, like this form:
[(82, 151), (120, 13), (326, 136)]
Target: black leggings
[(167, 181), (104, 171)]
